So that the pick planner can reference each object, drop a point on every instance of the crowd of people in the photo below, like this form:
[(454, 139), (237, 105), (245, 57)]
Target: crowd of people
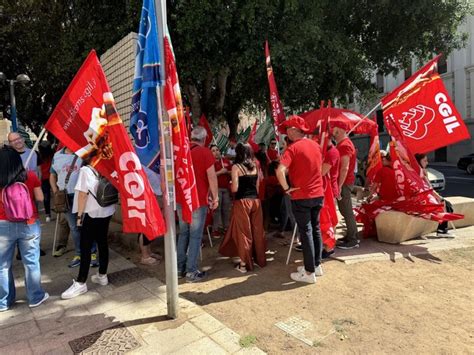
[(241, 194)]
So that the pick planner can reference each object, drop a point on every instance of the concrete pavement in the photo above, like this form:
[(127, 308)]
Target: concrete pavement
[(128, 315)]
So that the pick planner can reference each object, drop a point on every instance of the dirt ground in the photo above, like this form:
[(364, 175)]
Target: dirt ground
[(417, 305)]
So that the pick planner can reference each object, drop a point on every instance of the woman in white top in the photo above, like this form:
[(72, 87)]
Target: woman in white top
[(93, 221)]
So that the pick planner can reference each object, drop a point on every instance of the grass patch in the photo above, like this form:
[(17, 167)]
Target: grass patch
[(247, 341)]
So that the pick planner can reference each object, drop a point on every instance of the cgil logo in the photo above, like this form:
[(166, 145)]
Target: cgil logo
[(134, 186), (445, 110)]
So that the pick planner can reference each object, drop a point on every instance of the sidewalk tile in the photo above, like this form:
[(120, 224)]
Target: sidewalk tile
[(173, 339), (154, 286), (207, 323), (21, 347), (250, 351), (19, 313), (202, 346), (148, 308), (60, 319), (228, 339), (119, 299), (18, 332)]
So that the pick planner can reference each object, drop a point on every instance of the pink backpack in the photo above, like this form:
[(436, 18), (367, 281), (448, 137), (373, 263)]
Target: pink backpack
[(17, 202)]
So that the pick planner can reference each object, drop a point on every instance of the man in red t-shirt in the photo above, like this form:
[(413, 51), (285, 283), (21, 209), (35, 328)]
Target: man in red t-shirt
[(331, 167), (346, 181), (190, 235), (302, 160), (384, 184), (221, 215)]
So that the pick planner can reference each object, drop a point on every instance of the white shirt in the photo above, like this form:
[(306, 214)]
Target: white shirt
[(88, 182)]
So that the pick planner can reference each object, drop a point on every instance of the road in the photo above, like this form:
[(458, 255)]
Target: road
[(458, 182)]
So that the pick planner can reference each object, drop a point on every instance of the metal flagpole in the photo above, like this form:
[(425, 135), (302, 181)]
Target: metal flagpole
[(43, 131), (167, 166), (365, 117)]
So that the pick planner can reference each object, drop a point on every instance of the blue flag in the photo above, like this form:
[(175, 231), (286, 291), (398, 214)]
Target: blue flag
[(144, 124)]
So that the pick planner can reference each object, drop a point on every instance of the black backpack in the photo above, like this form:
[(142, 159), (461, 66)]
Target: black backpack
[(107, 194)]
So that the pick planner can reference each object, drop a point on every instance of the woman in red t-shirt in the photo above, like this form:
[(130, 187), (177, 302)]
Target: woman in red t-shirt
[(24, 234)]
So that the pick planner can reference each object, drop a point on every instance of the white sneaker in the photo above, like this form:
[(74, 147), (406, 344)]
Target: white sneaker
[(75, 290), (318, 270), (45, 297), (48, 219), (100, 279), (303, 277)]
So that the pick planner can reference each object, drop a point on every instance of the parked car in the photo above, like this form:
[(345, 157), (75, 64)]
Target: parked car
[(436, 179), (467, 163)]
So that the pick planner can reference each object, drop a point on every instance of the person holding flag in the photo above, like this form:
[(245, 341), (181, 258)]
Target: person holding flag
[(190, 234)]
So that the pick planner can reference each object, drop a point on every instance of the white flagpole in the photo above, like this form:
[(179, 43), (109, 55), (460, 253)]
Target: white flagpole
[(167, 167), (365, 117), (33, 150)]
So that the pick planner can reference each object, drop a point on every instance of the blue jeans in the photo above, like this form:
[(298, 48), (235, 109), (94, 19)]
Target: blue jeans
[(189, 239), (27, 236), (307, 218)]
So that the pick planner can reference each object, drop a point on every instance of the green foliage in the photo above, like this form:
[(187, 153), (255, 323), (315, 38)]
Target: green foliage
[(322, 49), (247, 341)]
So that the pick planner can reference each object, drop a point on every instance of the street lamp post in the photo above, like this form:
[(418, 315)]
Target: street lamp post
[(22, 79)]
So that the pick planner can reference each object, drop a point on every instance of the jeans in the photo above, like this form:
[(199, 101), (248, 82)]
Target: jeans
[(27, 237), (94, 230), (222, 213), (189, 239), (345, 207), (307, 218)]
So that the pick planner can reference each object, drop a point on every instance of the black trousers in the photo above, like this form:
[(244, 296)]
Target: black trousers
[(46, 187), (449, 208), (307, 218), (94, 230)]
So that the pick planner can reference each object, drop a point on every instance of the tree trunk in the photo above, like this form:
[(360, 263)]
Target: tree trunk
[(221, 90), (194, 100)]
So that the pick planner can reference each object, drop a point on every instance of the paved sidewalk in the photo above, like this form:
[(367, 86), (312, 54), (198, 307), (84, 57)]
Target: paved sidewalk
[(128, 315)]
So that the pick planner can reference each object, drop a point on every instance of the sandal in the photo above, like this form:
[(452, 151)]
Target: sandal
[(156, 256), (241, 269), (149, 261)]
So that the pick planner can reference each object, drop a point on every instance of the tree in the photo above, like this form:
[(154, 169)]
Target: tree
[(321, 49)]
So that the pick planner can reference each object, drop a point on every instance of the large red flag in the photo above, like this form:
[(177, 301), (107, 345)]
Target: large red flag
[(86, 121), (252, 135), (278, 114), (423, 111), (204, 123), (186, 192)]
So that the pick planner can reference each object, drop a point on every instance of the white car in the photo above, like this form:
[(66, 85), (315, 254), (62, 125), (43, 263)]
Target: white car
[(436, 179)]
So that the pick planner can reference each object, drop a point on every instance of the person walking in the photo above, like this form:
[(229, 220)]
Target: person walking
[(93, 221), (245, 237), (346, 182), (190, 235), (302, 161), (26, 234), (221, 215)]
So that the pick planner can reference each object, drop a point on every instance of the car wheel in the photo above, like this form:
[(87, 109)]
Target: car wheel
[(470, 169)]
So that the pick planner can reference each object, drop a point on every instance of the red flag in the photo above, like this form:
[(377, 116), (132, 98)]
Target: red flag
[(423, 111), (204, 123), (374, 160), (251, 140), (86, 121), (278, 114), (189, 124), (324, 135), (185, 182)]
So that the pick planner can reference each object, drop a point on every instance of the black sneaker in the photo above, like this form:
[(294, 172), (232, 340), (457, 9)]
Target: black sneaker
[(195, 276), (299, 247), (352, 244), (326, 254)]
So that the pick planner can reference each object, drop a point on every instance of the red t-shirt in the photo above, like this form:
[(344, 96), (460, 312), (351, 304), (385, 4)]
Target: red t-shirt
[(31, 182), (303, 160), (223, 181), (202, 160), (332, 158), (272, 154), (346, 147), (386, 178), (45, 168)]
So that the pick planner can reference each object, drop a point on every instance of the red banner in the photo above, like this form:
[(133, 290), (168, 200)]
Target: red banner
[(423, 111), (251, 140), (186, 192), (374, 160), (278, 114), (86, 121), (204, 123)]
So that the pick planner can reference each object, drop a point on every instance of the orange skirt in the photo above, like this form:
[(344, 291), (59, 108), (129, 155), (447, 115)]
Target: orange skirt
[(245, 237)]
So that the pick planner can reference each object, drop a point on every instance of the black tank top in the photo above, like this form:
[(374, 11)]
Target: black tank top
[(247, 185)]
